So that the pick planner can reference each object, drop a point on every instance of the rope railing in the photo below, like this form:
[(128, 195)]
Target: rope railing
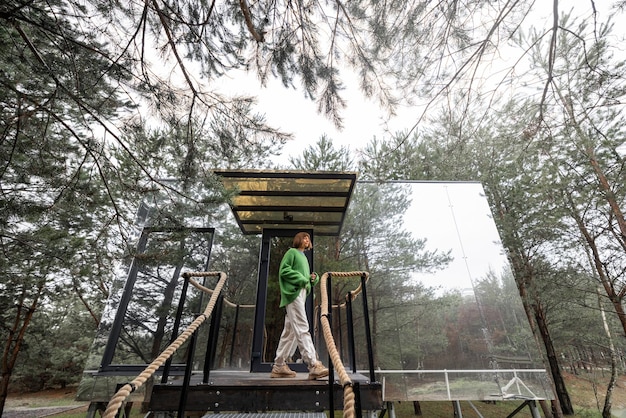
[(344, 379), (210, 292), (120, 396), (349, 397)]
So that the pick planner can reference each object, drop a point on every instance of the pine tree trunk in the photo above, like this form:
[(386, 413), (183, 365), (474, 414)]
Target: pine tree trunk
[(524, 278), (533, 320), (547, 411), (615, 295), (15, 338), (553, 362), (417, 408), (4, 390)]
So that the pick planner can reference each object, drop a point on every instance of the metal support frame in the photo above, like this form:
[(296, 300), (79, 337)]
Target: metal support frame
[(116, 328), (175, 329), (331, 369), (350, 325), (457, 409), (368, 331), (457, 412), (187, 378), (106, 366), (358, 408), (214, 330), (351, 343), (190, 354), (368, 334), (532, 405), (234, 338)]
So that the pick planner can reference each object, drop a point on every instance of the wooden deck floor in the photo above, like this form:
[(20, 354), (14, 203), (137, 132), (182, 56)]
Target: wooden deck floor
[(238, 391)]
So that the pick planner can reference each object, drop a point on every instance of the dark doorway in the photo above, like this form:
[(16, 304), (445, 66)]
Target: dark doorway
[(269, 318)]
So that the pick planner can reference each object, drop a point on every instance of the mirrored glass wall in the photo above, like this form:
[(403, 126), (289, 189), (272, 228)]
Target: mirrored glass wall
[(446, 318), (448, 322)]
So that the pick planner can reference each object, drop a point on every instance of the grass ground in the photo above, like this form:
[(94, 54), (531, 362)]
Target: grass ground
[(586, 391)]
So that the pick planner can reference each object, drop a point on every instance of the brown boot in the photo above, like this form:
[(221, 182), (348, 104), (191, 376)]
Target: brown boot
[(317, 371), (282, 371)]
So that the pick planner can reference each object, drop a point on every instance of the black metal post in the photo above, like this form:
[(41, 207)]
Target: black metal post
[(116, 328), (340, 331), (232, 341), (350, 325), (179, 314), (519, 408), (211, 348), (358, 408), (187, 378), (331, 370), (368, 332), (261, 302)]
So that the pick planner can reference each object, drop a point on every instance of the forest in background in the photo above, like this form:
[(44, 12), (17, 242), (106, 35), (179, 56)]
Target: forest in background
[(91, 125)]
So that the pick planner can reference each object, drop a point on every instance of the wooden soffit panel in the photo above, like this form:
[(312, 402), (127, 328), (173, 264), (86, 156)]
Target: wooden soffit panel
[(291, 200)]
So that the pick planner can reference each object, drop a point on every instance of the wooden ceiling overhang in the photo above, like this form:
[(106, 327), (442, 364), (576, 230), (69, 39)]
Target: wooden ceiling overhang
[(293, 200)]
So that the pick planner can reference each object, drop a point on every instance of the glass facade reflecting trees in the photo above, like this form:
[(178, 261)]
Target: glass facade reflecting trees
[(447, 321)]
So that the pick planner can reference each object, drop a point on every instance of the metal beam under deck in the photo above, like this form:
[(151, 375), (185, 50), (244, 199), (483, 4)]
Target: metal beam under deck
[(229, 391)]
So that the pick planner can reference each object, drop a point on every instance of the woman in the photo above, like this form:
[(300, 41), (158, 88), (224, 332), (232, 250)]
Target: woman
[(296, 280)]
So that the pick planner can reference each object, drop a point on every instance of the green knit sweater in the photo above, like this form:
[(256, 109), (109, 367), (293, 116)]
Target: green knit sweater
[(294, 275)]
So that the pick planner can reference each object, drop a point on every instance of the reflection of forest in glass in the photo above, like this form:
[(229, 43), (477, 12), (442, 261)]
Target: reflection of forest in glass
[(424, 315), (156, 270), (417, 329), (416, 326), (461, 319)]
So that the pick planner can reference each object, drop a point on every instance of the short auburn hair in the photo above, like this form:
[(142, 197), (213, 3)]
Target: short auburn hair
[(297, 240)]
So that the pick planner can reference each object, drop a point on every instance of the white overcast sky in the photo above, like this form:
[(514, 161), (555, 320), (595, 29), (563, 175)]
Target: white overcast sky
[(456, 216), (288, 110)]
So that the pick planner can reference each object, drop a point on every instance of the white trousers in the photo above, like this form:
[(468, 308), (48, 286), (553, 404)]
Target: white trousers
[(296, 331)]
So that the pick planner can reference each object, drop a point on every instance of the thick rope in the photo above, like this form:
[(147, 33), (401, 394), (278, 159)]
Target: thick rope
[(120, 396), (210, 292), (356, 292), (344, 379)]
